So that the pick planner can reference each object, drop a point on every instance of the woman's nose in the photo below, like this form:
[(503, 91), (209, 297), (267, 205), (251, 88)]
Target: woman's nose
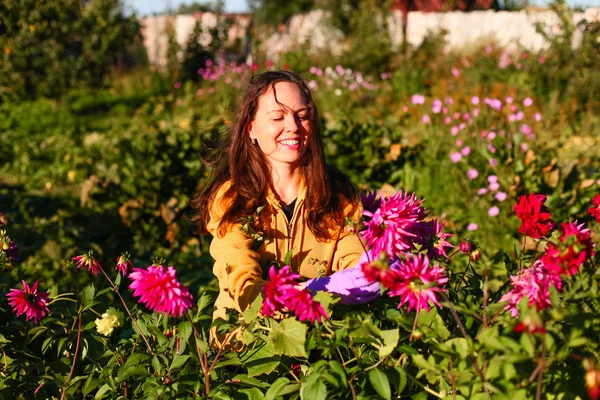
[(291, 123)]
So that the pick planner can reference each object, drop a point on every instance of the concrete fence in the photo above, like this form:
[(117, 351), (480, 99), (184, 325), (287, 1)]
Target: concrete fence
[(511, 30)]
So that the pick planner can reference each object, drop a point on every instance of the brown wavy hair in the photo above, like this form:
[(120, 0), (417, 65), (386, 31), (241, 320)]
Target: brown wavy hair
[(248, 170)]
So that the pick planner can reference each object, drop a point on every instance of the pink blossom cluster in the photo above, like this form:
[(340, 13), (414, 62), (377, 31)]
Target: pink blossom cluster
[(282, 294)]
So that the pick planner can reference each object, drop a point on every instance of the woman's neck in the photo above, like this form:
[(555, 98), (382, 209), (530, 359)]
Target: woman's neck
[(286, 183)]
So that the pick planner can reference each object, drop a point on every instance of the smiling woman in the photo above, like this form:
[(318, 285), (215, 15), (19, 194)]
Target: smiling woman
[(272, 199)]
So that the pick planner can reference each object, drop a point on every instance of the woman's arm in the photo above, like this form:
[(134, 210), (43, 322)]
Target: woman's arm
[(237, 266)]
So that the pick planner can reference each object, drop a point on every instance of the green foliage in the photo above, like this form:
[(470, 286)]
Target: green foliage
[(51, 46)]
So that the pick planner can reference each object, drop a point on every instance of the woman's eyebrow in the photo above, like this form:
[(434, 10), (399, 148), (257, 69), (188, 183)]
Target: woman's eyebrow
[(282, 110)]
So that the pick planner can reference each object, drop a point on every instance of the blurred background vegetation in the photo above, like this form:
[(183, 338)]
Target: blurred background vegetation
[(100, 150)]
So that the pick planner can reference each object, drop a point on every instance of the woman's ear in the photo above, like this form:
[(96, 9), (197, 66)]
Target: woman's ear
[(250, 130)]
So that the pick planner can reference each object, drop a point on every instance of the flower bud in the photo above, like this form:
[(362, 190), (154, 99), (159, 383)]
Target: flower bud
[(592, 382), (465, 247), (475, 255)]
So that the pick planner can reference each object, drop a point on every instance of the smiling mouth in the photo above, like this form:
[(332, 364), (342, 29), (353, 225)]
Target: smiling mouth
[(289, 142)]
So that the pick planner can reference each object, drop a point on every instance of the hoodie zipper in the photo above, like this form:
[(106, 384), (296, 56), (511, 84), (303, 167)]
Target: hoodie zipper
[(290, 226)]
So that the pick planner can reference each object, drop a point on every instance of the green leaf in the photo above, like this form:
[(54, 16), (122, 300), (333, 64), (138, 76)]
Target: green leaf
[(134, 370), (204, 301), (87, 295), (327, 300), (184, 331), (251, 313), (102, 391), (313, 388), (390, 341), (90, 384), (288, 338), (402, 379), (253, 393), (288, 257), (276, 388), (156, 365), (338, 369), (380, 383), (179, 361), (261, 360), (528, 344)]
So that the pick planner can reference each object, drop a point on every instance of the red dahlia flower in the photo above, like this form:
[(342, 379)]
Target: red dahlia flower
[(595, 209), (301, 303), (575, 248), (535, 218), (160, 291), (29, 302)]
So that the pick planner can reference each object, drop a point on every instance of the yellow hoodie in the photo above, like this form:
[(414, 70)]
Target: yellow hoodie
[(240, 269)]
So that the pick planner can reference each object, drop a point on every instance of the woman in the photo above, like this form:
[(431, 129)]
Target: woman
[(271, 195)]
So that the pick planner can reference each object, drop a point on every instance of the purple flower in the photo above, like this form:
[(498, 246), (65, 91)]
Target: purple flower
[(472, 227), (465, 151), (493, 211), (418, 98), (500, 196), (455, 156), (527, 102)]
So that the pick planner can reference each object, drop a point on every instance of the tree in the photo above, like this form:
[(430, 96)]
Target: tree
[(52, 45)]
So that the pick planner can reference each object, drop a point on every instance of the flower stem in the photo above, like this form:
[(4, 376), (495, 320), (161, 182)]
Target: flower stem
[(116, 290), (466, 336), (64, 391)]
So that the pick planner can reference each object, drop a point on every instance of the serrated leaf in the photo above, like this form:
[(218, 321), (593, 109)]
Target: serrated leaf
[(380, 383), (288, 338), (87, 295), (338, 369), (327, 300)]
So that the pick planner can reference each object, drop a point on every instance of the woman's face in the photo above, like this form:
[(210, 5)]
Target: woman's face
[(282, 125)]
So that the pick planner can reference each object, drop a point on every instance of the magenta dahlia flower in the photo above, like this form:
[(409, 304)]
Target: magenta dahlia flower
[(281, 284), (29, 302), (396, 225), (302, 304), (158, 288), (417, 283), (88, 261), (437, 244), (594, 210), (533, 282)]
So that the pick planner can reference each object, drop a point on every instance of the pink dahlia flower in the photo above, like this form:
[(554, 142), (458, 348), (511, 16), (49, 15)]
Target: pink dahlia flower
[(301, 303), (29, 302), (417, 283), (533, 282), (158, 288), (88, 261), (281, 284), (394, 227), (437, 243)]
